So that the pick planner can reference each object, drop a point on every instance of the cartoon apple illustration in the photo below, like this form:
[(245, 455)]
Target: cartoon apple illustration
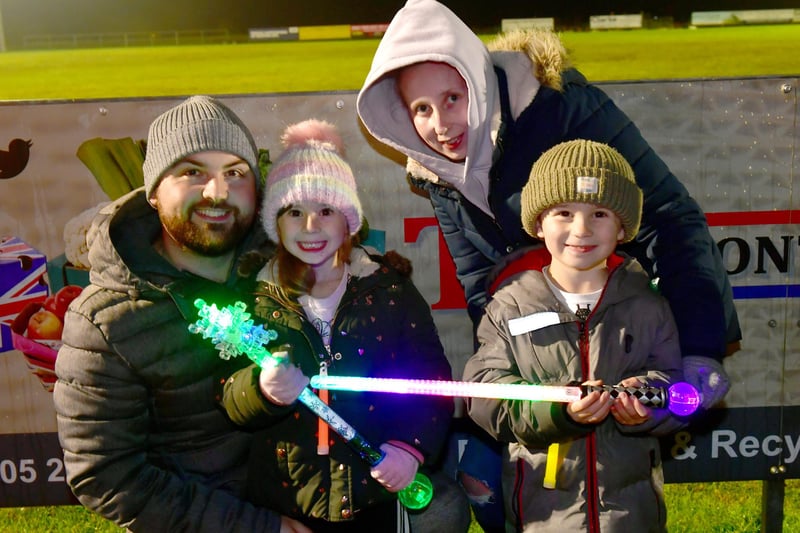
[(57, 303), (44, 324), (20, 322), (50, 304)]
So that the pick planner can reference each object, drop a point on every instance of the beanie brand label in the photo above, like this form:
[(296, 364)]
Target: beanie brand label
[(587, 185)]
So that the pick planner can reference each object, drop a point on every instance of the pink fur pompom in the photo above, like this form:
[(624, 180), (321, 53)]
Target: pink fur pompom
[(312, 131)]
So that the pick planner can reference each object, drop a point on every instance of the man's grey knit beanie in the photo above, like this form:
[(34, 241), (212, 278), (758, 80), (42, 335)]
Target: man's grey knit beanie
[(198, 124)]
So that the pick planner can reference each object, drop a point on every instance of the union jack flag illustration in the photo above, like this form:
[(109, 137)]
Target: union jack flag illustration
[(22, 270)]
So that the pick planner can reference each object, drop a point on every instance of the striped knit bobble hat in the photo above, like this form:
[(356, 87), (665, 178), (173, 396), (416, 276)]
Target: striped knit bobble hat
[(198, 124), (311, 169), (586, 172)]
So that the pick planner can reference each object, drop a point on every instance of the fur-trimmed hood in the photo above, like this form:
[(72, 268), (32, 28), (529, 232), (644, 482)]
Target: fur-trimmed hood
[(547, 57), (425, 30)]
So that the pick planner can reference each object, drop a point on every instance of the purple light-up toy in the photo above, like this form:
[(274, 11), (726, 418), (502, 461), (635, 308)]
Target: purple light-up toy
[(681, 398)]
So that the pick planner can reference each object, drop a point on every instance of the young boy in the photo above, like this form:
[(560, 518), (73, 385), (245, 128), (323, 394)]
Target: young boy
[(590, 316)]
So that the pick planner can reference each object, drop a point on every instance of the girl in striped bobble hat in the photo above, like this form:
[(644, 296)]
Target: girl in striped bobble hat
[(338, 309)]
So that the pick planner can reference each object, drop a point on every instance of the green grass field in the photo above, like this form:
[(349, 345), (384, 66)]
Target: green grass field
[(280, 67), (342, 66), (730, 507)]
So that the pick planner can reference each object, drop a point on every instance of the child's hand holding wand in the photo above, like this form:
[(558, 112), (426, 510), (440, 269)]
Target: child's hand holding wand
[(592, 408)]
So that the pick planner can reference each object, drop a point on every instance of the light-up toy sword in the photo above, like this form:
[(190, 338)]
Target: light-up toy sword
[(681, 398), (233, 334)]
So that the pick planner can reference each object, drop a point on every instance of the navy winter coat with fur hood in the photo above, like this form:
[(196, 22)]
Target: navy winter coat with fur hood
[(525, 99)]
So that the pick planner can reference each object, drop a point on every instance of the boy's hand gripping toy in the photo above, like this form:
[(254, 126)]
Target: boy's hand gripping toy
[(233, 334)]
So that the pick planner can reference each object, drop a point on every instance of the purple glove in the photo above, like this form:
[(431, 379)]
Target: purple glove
[(396, 470), (708, 376), (282, 383)]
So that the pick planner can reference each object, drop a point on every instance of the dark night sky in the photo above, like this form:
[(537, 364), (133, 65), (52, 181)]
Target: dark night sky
[(31, 17)]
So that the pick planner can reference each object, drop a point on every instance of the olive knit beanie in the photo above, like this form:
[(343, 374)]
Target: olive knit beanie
[(586, 172), (198, 124), (311, 169)]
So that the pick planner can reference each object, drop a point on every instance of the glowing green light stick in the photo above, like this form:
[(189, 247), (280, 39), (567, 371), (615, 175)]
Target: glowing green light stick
[(233, 334)]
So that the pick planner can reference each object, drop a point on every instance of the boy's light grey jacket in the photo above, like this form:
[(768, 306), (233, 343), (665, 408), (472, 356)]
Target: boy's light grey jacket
[(630, 333)]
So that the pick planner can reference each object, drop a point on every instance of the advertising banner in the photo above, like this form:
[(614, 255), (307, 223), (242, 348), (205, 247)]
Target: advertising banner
[(733, 143)]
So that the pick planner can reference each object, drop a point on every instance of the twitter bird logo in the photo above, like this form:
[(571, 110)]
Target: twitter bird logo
[(15, 159)]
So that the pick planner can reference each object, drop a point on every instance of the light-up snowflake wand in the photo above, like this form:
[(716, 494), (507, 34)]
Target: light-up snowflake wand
[(233, 334)]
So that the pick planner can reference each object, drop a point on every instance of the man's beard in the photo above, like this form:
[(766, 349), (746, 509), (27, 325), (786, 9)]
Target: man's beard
[(206, 238)]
